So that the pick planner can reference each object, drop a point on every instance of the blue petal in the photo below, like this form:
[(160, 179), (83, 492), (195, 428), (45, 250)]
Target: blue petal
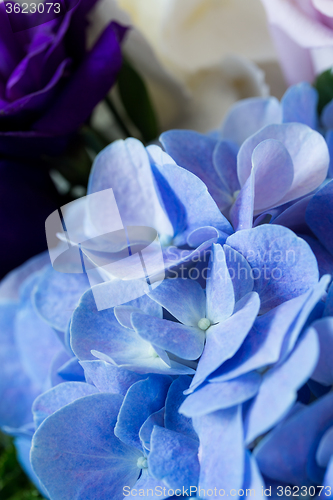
[(325, 448), (10, 284), (329, 302), (173, 458), (17, 391), (57, 295), (142, 399), (36, 341), (124, 166), (224, 340), (253, 480), (240, 272), (248, 116), (76, 454), (221, 442), (173, 419), (201, 209), (324, 370), (225, 163), (299, 104), (184, 299), (23, 446), (283, 265), (57, 397), (273, 174), (271, 338), (319, 215), (219, 396), (194, 152), (109, 378), (278, 390), (184, 341), (72, 371), (308, 151), (219, 287), (241, 213), (147, 427), (285, 453)]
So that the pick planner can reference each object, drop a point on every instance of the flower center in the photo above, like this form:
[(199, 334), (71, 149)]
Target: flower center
[(204, 324), (152, 352), (142, 463)]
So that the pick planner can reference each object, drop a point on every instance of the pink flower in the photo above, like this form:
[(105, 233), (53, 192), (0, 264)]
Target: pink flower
[(303, 33)]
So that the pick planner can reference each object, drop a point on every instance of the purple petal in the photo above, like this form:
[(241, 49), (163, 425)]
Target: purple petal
[(225, 163), (98, 71)]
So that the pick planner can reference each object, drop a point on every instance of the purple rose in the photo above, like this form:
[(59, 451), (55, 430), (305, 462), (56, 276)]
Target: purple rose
[(303, 34), (49, 82)]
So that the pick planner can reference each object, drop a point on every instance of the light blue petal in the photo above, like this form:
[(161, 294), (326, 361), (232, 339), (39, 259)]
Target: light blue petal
[(219, 396), (173, 458), (75, 453), (23, 445), (221, 449), (109, 378), (308, 151), (57, 295), (184, 341), (142, 399), (299, 104), (52, 400), (278, 390), (124, 166), (224, 340), (273, 174), (253, 481), (248, 116), (219, 287), (184, 299), (283, 265), (17, 390)]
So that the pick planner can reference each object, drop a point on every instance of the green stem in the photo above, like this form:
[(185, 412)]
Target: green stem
[(117, 116)]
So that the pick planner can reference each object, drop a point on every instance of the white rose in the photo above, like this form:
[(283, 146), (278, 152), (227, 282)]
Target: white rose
[(196, 56)]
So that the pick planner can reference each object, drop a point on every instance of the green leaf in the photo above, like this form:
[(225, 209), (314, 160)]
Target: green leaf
[(324, 86), (136, 101), (14, 484)]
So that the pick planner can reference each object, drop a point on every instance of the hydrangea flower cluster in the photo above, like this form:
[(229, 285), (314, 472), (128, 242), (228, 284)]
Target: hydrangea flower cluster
[(218, 381)]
